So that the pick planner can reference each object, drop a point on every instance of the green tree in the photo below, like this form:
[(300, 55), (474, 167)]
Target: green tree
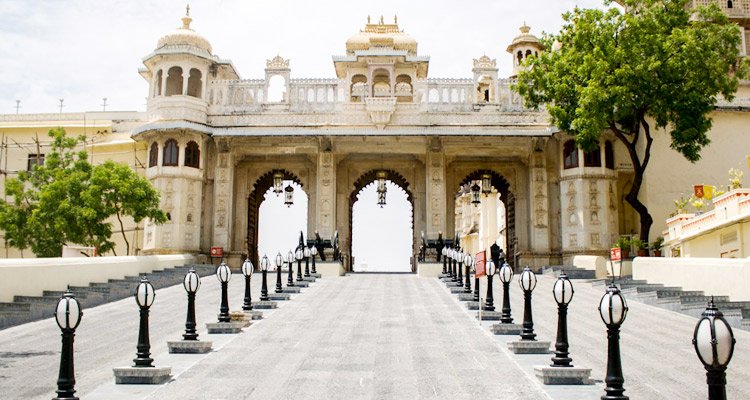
[(69, 201), (123, 193), (657, 63)]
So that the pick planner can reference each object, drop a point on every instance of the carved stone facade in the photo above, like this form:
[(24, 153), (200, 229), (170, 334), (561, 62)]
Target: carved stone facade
[(432, 137)]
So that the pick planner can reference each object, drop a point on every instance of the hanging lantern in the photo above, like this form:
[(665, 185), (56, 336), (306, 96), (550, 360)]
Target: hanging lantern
[(381, 188), (289, 196), (475, 194), (278, 182), (486, 184)]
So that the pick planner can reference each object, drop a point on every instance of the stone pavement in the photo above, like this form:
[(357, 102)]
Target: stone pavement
[(361, 337)]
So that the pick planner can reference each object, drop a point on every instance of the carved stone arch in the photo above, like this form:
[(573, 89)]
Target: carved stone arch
[(254, 199), (368, 178), (503, 187)]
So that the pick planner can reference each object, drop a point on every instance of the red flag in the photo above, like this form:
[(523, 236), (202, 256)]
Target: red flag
[(479, 262), (698, 189)]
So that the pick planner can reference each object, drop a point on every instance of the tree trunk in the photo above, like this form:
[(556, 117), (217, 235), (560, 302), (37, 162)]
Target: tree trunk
[(124, 237), (639, 168)]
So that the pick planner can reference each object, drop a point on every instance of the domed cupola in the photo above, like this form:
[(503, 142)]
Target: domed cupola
[(522, 47), (183, 36)]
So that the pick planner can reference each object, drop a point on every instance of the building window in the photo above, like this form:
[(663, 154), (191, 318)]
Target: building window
[(153, 155), (192, 155), (570, 155), (171, 151), (609, 155), (34, 159), (592, 158)]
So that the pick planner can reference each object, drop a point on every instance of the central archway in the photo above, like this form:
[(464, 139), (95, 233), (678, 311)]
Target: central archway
[(401, 214)]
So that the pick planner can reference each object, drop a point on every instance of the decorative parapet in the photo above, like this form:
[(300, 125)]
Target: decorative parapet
[(277, 62), (728, 209), (380, 110)]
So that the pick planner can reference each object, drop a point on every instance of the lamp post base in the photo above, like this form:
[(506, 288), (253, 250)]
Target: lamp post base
[(316, 275), (301, 284), (489, 316), (279, 296), (225, 327), (189, 347), (507, 329), (265, 305), (465, 297), (457, 290), (291, 289), (563, 375), (250, 315), (142, 376), (308, 279), (452, 284), (529, 347)]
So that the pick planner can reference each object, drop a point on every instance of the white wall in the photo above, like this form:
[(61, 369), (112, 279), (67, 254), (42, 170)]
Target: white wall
[(714, 276), (32, 276)]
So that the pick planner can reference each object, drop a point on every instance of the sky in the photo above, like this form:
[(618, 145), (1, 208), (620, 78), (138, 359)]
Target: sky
[(85, 50)]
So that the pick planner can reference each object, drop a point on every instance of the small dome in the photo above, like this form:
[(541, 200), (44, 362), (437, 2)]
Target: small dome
[(381, 35), (184, 36), (525, 38)]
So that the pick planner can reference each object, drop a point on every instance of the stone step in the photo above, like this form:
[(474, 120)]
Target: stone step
[(745, 325), (36, 299), (7, 306)]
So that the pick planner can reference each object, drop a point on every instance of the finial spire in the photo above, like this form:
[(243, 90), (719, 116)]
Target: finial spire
[(368, 19), (186, 20), (381, 20), (395, 19)]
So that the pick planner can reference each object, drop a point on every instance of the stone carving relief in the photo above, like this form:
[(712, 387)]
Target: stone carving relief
[(572, 207), (595, 239), (594, 202)]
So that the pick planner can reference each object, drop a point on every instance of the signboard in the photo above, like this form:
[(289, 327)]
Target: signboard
[(217, 252), (615, 254), (698, 190), (479, 264)]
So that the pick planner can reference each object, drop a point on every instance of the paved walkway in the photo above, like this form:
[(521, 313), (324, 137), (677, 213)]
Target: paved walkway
[(361, 337)]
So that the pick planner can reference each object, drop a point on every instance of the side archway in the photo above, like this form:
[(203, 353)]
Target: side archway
[(254, 200), (503, 187)]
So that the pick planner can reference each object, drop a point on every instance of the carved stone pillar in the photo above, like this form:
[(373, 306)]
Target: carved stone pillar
[(539, 204), (326, 195), (436, 200), (223, 189)]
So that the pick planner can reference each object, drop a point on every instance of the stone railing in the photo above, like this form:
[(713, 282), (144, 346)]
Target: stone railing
[(728, 209)]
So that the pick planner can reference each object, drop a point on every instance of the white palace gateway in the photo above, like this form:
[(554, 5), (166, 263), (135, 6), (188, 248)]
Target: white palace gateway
[(213, 144)]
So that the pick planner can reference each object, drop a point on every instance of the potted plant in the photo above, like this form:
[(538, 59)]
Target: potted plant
[(641, 247), (657, 246), (623, 243)]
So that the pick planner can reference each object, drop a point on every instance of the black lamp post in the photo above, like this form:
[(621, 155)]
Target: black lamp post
[(307, 254), (468, 261), (247, 271), (460, 267), (613, 309), (489, 302), (191, 283), (144, 296), (224, 274), (714, 341), (314, 253), (476, 282), (444, 252), (452, 266), (264, 285), (563, 292), (289, 263), (506, 276), (68, 315), (299, 254), (528, 283), (279, 265)]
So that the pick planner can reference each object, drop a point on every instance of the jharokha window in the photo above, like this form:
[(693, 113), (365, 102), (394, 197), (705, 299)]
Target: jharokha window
[(592, 158), (570, 155), (192, 155), (609, 155), (171, 153), (153, 155)]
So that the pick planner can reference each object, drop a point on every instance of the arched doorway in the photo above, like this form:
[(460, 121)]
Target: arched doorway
[(286, 223), (506, 197), (384, 236)]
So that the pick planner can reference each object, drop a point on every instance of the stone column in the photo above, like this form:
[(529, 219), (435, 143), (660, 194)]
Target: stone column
[(325, 201), (488, 228), (223, 189), (436, 200), (539, 203)]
